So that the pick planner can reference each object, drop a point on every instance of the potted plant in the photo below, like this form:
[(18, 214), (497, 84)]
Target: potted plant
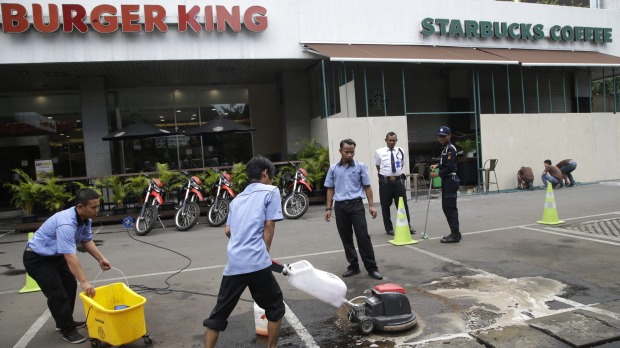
[(25, 193), (135, 187), (118, 192), (468, 147), (239, 177), (315, 159), (54, 195), (173, 181)]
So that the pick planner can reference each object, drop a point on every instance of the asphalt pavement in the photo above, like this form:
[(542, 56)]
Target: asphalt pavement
[(511, 282)]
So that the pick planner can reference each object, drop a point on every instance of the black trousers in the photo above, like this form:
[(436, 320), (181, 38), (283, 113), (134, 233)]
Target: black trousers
[(449, 187), (57, 283), (265, 292), (350, 218), (391, 191)]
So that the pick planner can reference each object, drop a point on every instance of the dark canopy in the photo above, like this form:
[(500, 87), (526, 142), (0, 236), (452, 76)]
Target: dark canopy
[(219, 125), (138, 131)]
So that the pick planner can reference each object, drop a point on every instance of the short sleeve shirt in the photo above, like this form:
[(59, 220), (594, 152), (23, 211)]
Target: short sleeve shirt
[(348, 181), (248, 212), (383, 159), (60, 234)]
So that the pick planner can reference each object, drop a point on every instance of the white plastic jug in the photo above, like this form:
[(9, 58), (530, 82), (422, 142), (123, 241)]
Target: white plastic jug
[(320, 284), (260, 320)]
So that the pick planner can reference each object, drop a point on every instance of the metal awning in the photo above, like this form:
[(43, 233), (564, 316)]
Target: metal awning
[(459, 55), (405, 53), (556, 58)]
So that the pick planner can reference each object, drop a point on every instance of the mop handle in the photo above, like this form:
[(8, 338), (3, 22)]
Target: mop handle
[(121, 272), (428, 206)]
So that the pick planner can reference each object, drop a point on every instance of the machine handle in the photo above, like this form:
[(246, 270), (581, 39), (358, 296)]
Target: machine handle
[(124, 276)]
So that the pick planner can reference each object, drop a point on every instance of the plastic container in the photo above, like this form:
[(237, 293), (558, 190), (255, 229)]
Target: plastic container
[(115, 326), (260, 320), (320, 284)]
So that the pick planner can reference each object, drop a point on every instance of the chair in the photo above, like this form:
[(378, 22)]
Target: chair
[(487, 173), (417, 175)]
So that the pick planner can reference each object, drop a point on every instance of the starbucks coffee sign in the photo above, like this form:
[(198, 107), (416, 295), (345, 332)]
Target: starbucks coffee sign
[(514, 31)]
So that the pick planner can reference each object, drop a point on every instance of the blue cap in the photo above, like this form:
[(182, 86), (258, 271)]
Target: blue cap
[(443, 130)]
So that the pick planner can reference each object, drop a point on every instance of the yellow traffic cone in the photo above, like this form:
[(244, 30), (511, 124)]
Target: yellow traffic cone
[(550, 213), (31, 284), (402, 236)]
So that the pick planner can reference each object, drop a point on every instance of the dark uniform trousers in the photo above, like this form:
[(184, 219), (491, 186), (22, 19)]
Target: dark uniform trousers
[(57, 283), (449, 187), (350, 217), (390, 191)]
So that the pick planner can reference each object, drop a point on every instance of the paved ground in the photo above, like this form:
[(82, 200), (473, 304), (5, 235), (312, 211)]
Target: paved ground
[(509, 283)]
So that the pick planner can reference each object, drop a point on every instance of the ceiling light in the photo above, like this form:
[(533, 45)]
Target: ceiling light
[(78, 121), (179, 110), (162, 116), (49, 117)]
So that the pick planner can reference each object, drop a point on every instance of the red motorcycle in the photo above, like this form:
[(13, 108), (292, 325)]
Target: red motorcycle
[(189, 211), (295, 201), (221, 195), (153, 198)]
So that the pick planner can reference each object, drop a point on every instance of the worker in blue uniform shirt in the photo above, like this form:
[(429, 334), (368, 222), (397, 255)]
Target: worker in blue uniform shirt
[(449, 184)]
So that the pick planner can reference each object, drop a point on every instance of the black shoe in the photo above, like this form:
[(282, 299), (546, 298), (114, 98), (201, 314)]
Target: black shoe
[(531, 188), (76, 325), (350, 272), (389, 233), (451, 239), (72, 336), (570, 185), (411, 230), (375, 274)]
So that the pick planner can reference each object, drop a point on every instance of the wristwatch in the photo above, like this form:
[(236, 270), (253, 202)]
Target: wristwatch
[(328, 209)]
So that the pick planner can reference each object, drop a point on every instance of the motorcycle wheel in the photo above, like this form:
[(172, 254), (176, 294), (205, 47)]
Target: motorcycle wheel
[(146, 222), (295, 205), (187, 218), (218, 213)]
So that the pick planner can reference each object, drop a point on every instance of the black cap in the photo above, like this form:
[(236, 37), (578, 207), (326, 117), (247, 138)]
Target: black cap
[(443, 130)]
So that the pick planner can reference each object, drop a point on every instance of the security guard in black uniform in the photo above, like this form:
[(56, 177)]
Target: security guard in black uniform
[(449, 184)]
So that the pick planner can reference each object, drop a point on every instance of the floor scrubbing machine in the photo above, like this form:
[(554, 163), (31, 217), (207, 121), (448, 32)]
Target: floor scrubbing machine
[(388, 308)]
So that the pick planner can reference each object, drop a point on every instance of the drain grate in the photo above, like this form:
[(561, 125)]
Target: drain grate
[(607, 227)]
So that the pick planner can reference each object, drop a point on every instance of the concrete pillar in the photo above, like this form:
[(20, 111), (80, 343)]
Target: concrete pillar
[(93, 100), (294, 92)]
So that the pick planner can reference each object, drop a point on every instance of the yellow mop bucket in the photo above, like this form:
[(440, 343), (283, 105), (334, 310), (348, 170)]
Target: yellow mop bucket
[(115, 315)]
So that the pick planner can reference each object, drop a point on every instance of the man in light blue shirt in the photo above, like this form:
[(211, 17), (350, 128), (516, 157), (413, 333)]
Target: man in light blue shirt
[(347, 184), (50, 259), (250, 227)]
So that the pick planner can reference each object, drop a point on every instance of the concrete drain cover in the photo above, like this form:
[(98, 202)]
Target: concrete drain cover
[(607, 227)]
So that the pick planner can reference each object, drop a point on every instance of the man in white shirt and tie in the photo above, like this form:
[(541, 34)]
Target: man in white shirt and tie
[(390, 161)]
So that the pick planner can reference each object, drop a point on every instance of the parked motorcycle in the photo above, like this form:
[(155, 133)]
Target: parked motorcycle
[(189, 211), (295, 201), (153, 198), (221, 195)]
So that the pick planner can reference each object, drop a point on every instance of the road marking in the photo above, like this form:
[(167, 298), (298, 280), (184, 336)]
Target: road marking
[(571, 236), (589, 307), (579, 233), (301, 330), (23, 342)]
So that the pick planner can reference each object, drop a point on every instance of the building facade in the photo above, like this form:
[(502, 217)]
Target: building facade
[(525, 81)]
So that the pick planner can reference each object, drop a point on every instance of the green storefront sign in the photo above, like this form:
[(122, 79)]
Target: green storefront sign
[(515, 31)]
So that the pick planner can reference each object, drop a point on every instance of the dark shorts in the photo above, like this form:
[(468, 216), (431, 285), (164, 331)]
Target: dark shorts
[(265, 292)]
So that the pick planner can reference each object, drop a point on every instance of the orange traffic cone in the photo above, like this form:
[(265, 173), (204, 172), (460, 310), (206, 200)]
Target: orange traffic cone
[(402, 236), (550, 213), (31, 284)]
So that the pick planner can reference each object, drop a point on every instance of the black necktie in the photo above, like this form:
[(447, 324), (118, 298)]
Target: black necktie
[(393, 163)]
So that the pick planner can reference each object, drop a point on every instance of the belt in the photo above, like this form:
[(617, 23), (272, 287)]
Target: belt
[(391, 178), (350, 201)]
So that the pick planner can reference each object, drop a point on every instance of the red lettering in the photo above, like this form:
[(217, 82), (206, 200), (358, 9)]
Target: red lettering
[(14, 18), (69, 20), (154, 17), (101, 22), (255, 19), (209, 20), (188, 18), (129, 17), (39, 24), (224, 17)]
